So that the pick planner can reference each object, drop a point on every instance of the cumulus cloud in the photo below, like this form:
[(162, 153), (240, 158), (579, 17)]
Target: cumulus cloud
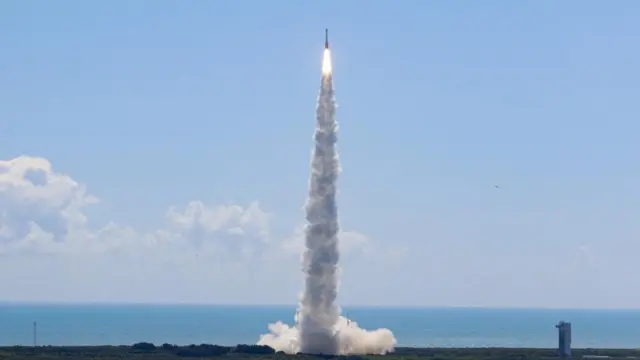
[(45, 211), (43, 215), (34, 199), (245, 228)]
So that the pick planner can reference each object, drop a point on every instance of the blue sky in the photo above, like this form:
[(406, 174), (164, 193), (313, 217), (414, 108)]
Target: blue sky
[(155, 104)]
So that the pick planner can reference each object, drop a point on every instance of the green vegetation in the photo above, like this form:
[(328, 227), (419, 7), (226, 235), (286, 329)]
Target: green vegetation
[(148, 351)]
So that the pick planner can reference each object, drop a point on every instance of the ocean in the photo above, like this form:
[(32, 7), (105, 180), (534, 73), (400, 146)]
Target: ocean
[(231, 325)]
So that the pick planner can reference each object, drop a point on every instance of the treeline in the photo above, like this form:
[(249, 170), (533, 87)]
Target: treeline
[(208, 350), (149, 351), (205, 350)]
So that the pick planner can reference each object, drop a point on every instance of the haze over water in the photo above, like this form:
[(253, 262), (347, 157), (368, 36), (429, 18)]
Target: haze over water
[(230, 325)]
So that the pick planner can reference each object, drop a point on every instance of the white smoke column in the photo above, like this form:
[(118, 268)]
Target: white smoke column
[(319, 312), (320, 328)]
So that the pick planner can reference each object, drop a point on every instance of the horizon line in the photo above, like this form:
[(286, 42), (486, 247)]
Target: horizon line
[(350, 306)]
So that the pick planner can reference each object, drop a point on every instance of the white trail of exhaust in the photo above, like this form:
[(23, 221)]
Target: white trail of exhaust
[(319, 327), (319, 312)]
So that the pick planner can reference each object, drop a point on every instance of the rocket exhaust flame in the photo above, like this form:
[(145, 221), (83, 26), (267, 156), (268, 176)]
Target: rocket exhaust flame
[(319, 327), (326, 63)]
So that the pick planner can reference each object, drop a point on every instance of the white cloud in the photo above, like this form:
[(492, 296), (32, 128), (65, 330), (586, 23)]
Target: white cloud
[(31, 194), (43, 219), (43, 211)]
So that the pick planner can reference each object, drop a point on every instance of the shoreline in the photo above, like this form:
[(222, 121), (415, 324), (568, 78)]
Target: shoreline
[(147, 351)]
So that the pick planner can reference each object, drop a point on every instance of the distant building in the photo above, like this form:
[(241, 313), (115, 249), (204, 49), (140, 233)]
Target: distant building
[(564, 339)]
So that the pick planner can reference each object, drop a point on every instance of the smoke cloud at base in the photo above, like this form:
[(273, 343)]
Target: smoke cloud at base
[(351, 339), (319, 328)]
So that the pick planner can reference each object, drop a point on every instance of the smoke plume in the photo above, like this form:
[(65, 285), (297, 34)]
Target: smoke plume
[(319, 327)]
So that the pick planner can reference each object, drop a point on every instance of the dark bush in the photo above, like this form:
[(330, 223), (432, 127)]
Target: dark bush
[(203, 350), (352, 357), (254, 349), (143, 346)]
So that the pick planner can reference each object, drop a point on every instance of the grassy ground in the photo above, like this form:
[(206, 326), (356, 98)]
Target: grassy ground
[(168, 352)]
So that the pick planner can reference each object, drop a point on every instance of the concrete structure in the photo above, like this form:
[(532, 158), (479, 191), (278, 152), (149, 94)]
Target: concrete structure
[(564, 339)]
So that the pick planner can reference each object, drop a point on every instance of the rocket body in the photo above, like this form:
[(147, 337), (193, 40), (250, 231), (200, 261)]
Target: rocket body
[(326, 38)]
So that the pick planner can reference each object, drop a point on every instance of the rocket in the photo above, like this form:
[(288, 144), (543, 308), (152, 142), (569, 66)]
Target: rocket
[(326, 38)]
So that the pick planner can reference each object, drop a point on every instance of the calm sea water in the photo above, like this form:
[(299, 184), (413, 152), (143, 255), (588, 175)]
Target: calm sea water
[(230, 325)]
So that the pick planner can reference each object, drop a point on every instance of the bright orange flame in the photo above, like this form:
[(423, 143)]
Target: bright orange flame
[(326, 62)]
